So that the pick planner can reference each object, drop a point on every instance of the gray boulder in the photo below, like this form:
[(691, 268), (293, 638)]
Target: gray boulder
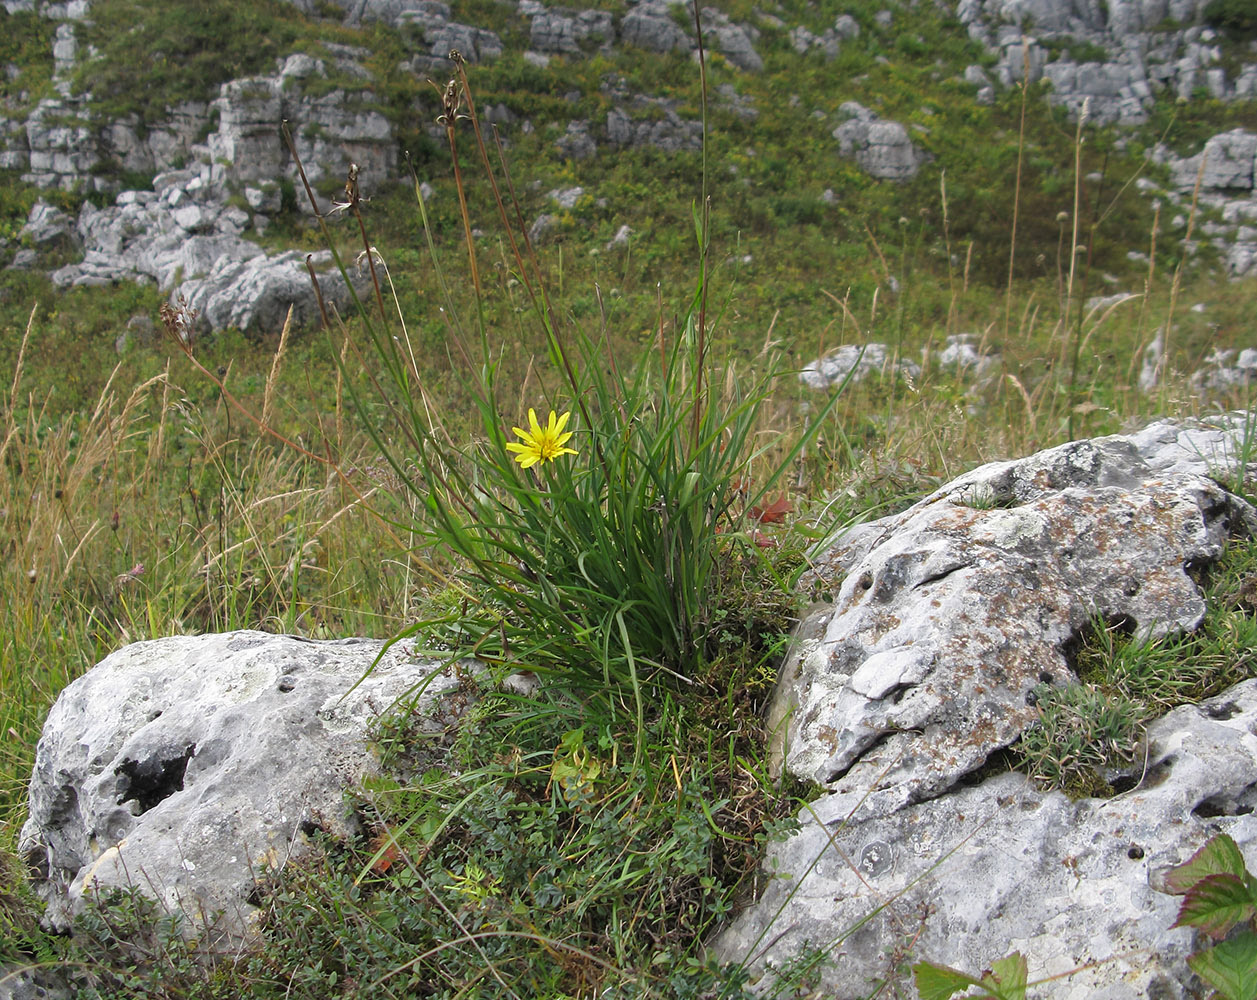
[(191, 767), (331, 130), (1003, 866), (1136, 48), (856, 361), (1229, 160), (946, 618), (430, 21), (567, 32), (429, 25), (651, 26), (735, 42), (256, 294), (962, 353), (61, 145), (881, 148), (48, 227)]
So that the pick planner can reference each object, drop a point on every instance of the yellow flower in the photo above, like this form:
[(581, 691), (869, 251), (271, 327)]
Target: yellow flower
[(541, 444)]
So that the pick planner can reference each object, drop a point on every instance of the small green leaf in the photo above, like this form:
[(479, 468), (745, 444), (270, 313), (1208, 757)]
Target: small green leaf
[(938, 982), (1230, 967), (1220, 856), (1215, 904), (1005, 980), (1008, 975)]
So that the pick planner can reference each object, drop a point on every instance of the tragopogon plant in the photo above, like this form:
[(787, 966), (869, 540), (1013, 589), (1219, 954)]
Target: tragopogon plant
[(594, 557)]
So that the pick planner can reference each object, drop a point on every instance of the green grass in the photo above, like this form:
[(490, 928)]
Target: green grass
[(1090, 733), (536, 808)]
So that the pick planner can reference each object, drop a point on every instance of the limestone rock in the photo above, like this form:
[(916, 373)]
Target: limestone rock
[(670, 132), (430, 24), (429, 20), (651, 26), (189, 767), (735, 42), (962, 352), (1134, 48), (1002, 866), (255, 294), (881, 148), (1228, 163), (62, 148), (946, 617), (48, 227), (950, 613), (576, 142), (1227, 370), (566, 31), (857, 361)]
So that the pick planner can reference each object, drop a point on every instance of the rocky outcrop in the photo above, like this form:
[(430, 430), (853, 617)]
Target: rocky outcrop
[(186, 235), (1003, 866), (881, 148), (330, 131), (946, 619), (827, 42), (1113, 55), (1223, 180), (855, 362), (429, 24), (191, 767), (652, 25), (256, 294), (183, 237), (567, 32), (63, 144)]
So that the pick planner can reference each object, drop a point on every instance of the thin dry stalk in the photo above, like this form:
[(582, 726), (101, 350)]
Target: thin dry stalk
[(268, 394), (1021, 147), (1073, 239)]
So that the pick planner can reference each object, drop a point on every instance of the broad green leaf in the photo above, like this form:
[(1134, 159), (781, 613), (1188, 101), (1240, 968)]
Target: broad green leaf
[(1220, 856), (938, 982), (1009, 976), (1215, 904), (1230, 967)]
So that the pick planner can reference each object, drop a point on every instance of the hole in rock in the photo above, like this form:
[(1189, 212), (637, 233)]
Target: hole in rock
[(1210, 808), (286, 684), (1135, 853), (1124, 782), (149, 782), (1222, 712), (1089, 647)]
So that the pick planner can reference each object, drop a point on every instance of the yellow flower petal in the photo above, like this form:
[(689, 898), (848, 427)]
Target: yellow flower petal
[(541, 444)]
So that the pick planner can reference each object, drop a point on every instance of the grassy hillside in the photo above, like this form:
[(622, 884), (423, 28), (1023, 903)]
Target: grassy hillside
[(142, 500)]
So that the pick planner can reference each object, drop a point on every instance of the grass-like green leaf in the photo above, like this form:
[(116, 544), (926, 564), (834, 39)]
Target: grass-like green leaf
[(1230, 967)]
